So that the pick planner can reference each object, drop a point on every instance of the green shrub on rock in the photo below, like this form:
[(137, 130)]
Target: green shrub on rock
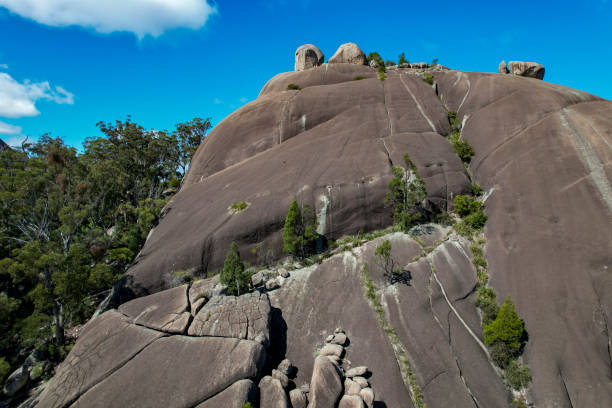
[(507, 328), (487, 302), (293, 87), (233, 274), (5, 370), (517, 375), (406, 193), (427, 77), (462, 147), (466, 205), (300, 231)]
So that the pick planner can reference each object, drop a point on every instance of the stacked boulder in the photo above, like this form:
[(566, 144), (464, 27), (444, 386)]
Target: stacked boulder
[(273, 278), (522, 68), (308, 56), (349, 53), (272, 388)]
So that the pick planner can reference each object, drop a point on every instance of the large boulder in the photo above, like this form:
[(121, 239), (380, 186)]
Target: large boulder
[(16, 381), (241, 317), (272, 394), (526, 69), (349, 53), (238, 394), (351, 401), (308, 56), (502, 68), (326, 384)]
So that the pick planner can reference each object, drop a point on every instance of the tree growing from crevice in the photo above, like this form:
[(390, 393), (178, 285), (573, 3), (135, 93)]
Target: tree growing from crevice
[(505, 334), (406, 195), (300, 231), (233, 274), (382, 256)]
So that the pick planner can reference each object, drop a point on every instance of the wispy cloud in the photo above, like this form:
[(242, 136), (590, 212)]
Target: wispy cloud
[(19, 99), (3, 66), (6, 129), (243, 100), (15, 141), (141, 17), (218, 101)]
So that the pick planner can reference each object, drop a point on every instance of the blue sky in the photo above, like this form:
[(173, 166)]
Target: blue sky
[(67, 64)]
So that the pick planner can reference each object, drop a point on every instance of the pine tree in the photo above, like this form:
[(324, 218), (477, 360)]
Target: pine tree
[(507, 328), (233, 273), (406, 193), (300, 232)]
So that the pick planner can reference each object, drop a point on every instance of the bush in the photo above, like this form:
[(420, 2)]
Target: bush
[(507, 328), (174, 183), (358, 78), (233, 274), (466, 205), (382, 76), (486, 301), (239, 206), (476, 250), (517, 375), (375, 56), (477, 220), (462, 147), (501, 354), (444, 218), (402, 59), (479, 260), (453, 121), (464, 229), (476, 189), (293, 87), (434, 62), (247, 405), (389, 63), (427, 77), (300, 231), (181, 277), (5, 370), (406, 193)]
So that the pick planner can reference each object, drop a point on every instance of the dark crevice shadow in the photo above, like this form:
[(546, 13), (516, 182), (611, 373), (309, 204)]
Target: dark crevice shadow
[(278, 341)]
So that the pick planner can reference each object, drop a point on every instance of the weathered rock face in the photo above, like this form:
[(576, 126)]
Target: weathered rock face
[(329, 145), (308, 56), (526, 69), (543, 155), (502, 68), (117, 362), (348, 53)]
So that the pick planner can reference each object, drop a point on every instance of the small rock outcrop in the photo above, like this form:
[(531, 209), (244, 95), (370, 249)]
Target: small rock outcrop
[(16, 381), (326, 383), (349, 53), (308, 56), (502, 68), (527, 69), (374, 64), (272, 394)]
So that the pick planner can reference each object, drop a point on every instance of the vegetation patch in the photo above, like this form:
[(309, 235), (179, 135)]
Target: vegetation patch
[(359, 78), (406, 194), (238, 206), (427, 77), (293, 87)]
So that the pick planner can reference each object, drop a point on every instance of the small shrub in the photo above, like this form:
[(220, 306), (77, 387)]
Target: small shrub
[(477, 220), (464, 229), (358, 78), (501, 355), (239, 206), (427, 77), (293, 87), (434, 63), (476, 250), (174, 183), (476, 189), (181, 277), (444, 218), (453, 121), (486, 301), (517, 375), (482, 277), (479, 261), (375, 56), (247, 405), (37, 371), (389, 63), (462, 147), (466, 205), (382, 76), (407, 191), (5, 370), (300, 231), (519, 402), (402, 59)]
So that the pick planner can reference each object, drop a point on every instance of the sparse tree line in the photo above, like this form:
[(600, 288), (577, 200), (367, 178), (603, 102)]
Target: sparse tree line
[(72, 221)]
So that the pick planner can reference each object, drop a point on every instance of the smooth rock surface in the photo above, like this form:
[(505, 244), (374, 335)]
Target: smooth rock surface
[(235, 396), (357, 371), (367, 395), (332, 350), (351, 387), (272, 394), (325, 385), (351, 401), (298, 398), (16, 381)]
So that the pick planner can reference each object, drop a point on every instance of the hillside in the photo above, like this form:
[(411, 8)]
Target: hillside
[(327, 135)]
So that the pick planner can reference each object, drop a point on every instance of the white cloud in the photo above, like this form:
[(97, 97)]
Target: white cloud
[(140, 17), (218, 101), (3, 66), (18, 99), (6, 129), (15, 141)]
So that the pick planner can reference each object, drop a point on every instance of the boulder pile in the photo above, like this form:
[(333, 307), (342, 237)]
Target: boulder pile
[(308, 56), (522, 68)]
